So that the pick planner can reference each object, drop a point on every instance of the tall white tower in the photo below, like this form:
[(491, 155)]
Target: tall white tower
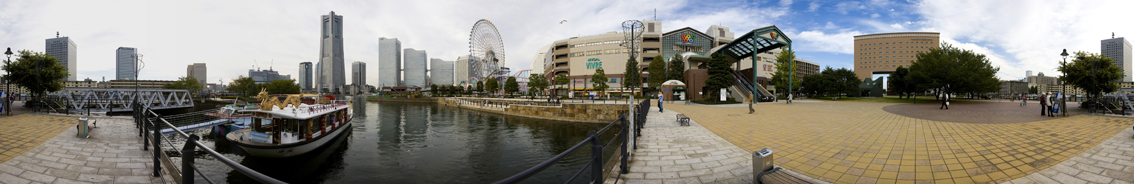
[(332, 71), (65, 49)]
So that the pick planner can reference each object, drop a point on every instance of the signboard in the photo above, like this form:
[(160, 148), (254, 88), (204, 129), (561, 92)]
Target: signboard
[(594, 63), (688, 38), (723, 94)]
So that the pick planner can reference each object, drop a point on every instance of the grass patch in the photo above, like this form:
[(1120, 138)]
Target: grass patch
[(715, 102), (885, 99)]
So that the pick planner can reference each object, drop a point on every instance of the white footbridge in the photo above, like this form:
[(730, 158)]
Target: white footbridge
[(119, 99)]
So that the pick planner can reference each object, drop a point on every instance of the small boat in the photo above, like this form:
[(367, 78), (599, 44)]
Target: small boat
[(292, 127)]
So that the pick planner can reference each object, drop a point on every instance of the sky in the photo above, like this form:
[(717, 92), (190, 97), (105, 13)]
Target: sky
[(232, 37)]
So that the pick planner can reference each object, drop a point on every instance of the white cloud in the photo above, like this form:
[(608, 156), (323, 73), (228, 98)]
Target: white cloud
[(1030, 34), (830, 26), (817, 41), (875, 15), (812, 6), (847, 6), (785, 2), (897, 26)]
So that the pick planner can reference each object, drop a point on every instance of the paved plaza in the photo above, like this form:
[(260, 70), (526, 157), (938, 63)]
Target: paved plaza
[(44, 149), (860, 142)]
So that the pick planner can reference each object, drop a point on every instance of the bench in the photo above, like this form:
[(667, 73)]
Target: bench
[(684, 120), (82, 129), (777, 176)]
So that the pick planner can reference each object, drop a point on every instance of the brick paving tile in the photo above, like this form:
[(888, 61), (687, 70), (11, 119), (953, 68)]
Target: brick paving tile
[(37, 148), (826, 139)]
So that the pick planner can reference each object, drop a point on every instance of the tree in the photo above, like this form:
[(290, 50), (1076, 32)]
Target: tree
[(511, 86), (491, 85), (433, 89), (657, 73), (844, 81), (245, 86), (785, 67), (560, 79), (480, 87), (1033, 90), (953, 70), (676, 69), (633, 77), (187, 83), (899, 82), (44, 78), (719, 75), (1079, 72), (816, 85), (538, 82), (598, 80), (452, 89), (282, 87)]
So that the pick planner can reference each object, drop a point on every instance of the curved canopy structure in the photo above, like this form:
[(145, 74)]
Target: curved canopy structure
[(486, 49)]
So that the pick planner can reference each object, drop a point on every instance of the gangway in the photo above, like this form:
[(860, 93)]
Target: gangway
[(118, 99)]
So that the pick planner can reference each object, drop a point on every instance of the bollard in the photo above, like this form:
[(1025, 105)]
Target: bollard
[(157, 146), (596, 157), (187, 160), (625, 153), (761, 161)]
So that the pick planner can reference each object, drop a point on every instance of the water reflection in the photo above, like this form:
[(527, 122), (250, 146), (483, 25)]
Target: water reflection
[(423, 143)]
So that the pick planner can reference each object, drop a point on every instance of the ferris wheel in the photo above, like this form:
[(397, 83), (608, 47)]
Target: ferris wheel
[(486, 49)]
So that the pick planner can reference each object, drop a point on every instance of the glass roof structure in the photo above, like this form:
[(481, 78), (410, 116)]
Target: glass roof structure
[(756, 41)]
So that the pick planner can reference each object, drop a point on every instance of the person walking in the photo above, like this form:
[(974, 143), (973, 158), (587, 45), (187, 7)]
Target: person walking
[(660, 102), (944, 101), (789, 98), (1051, 108), (1043, 104), (1023, 100)]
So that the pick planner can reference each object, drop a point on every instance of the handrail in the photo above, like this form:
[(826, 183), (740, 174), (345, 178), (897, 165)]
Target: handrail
[(191, 140)]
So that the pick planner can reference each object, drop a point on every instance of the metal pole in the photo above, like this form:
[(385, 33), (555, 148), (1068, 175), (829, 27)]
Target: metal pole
[(8, 87), (157, 147), (1063, 100), (625, 153), (596, 157), (187, 159)]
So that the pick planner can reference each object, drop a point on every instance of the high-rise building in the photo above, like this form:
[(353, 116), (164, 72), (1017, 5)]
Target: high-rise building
[(441, 72), (883, 53), (305, 76), (358, 74), (65, 49), (414, 68), (389, 62), (332, 74), (1119, 50), (266, 76), (461, 70), (124, 63), (197, 71)]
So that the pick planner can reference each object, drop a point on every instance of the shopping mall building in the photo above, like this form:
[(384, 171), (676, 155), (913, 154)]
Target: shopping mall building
[(579, 57)]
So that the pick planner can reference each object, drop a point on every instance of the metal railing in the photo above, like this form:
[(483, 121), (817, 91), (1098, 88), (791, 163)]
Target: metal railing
[(595, 165), (149, 126)]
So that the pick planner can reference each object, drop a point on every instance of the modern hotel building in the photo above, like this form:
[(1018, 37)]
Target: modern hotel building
[(883, 53)]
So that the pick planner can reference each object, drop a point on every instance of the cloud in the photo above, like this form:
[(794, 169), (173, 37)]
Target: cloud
[(897, 26), (874, 15), (830, 26), (785, 2), (812, 6), (847, 6), (818, 41)]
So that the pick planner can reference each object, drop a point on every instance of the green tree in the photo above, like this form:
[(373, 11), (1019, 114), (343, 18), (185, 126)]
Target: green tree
[(452, 89), (952, 70), (816, 85), (538, 82), (633, 77), (598, 80), (511, 86), (491, 85), (844, 81), (560, 81), (433, 89), (899, 82), (676, 69), (187, 83), (657, 73), (282, 87), (480, 86), (785, 68), (1033, 90), (243, 85), (46, 77), (719, 76), (1079, 72)]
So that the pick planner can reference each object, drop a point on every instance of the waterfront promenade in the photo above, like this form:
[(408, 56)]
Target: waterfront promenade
[(860, 142), (39, 148)]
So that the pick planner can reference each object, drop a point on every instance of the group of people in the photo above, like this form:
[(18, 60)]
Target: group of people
[(1049, 105)]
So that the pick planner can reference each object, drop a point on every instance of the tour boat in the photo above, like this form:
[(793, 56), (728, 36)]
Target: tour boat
[(293, 127)]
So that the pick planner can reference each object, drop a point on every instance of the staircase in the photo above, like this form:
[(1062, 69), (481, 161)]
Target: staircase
[(744, 87)]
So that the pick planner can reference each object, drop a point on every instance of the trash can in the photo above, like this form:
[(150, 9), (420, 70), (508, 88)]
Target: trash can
[(82, 128), (761, 161)]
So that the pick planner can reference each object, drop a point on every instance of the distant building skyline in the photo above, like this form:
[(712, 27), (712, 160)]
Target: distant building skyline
[(389, 62), (124, 65), (1119, 50), (414, 71), (198, 71), (305, 70), (440, 72), (332, 73), (358, 73), (65, 49)]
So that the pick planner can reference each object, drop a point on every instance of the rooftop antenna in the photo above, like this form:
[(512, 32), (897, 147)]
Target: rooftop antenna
[(271, 65), (655, 14), (256, 64), (1111, 34), (57, 34)]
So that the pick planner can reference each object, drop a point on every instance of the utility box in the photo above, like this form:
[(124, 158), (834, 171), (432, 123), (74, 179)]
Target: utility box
[(82, 128), (761, 161)]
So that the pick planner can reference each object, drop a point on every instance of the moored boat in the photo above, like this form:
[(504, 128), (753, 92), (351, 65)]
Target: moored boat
[(292, 127)]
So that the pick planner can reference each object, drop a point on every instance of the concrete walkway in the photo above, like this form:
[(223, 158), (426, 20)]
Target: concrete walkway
[(1112, 161), (113, 154), (669, 153)]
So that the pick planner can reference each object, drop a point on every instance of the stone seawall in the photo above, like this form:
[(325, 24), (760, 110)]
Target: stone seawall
[(577, 112), (380, 99)]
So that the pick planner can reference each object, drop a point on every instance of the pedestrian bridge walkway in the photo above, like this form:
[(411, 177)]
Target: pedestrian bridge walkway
[(118, 99)]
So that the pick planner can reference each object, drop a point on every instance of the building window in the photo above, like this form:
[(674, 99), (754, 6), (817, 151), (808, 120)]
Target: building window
[(651, 39), (650, 27)]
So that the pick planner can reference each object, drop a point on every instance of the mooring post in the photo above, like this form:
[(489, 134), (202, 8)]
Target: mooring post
[(596, 157), (625, 133), (187, 159)]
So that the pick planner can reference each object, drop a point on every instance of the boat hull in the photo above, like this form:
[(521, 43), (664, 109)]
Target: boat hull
[(290, 150)]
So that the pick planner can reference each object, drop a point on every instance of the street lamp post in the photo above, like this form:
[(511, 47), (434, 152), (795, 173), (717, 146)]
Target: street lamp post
[(8, 83), (1063, 101)]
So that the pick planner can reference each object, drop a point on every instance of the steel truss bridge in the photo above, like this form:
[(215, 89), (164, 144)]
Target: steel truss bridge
[(118, 99)]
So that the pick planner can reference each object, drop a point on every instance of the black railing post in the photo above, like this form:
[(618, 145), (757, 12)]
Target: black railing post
[(625, 133), (157, 146), (145, 128), (596, 157), (187, 159)]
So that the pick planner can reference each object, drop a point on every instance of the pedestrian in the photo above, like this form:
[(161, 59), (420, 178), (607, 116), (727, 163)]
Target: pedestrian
[(1023, 100), (944, 101), (1051, 108), (1043, 104), (660, 102), (789, 98)]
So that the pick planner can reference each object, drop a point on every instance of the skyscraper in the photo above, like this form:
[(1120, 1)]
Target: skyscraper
[(197, 71), (66, 50), (358, 73), (124, 63), (441, 72), (461, 70), (305, 76), (332, 73), (1119, 50), (389, 62), (415, 67)]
